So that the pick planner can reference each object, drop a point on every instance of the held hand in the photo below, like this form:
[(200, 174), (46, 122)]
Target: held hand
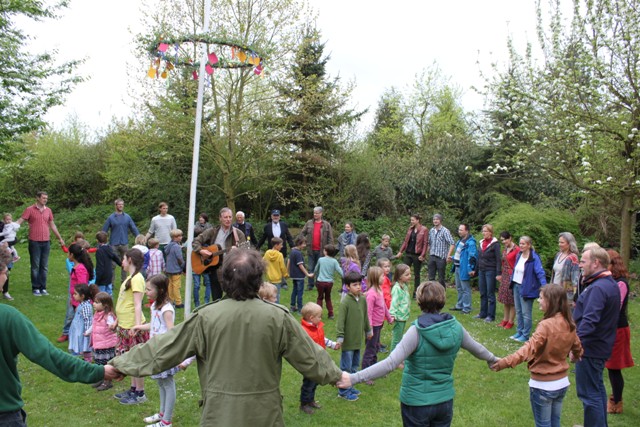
[(112, 374), (182, 367), (132, 332), (449, 260), (472, 273), (420, 258), (399, 254), (499, 278), (393, 319), (86, 334), (344, 381), (337, 346), (493, 367), (310, 275)]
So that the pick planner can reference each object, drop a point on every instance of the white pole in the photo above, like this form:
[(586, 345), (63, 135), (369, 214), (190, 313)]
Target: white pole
[(194, 168)]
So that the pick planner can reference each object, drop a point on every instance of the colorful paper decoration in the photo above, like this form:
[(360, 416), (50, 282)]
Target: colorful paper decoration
[(213, 59), (152, 71), (164, 74), (242, 56), (162, 47), (209, 69), (195, 75)]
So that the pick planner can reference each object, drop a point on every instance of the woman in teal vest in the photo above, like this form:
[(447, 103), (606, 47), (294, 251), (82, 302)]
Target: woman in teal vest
[(428, 350)]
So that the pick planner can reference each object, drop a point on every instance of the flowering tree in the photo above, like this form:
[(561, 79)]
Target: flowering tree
[(575, 115)]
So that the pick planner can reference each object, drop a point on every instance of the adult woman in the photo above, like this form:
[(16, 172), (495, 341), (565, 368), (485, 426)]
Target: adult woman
[(363, 246), (487, 269), (415, 247), (201, 225), (621, 355), (347, 238), (505, 294), (566, 267), (426, 393), (528, 276)]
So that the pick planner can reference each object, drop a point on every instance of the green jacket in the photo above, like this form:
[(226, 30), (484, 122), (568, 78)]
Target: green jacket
[(19, 335), (353, 322), (427, 377), (239, 346)]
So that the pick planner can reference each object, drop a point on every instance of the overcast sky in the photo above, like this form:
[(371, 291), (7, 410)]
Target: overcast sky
[(375, 46)]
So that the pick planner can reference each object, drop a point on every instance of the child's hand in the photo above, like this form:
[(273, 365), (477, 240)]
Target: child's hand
[(183, 367), (132, 332), (114, 325), (337, 346), (310, 275), (393, 319), (86, 334), (369, 335), (344, 381), (494, 366)]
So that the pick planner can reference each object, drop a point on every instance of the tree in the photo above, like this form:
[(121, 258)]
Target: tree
[(582, 124), (389, 134), (30, 83)]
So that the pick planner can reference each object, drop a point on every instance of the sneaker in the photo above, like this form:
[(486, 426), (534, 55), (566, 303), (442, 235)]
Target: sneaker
[(124, 394), (455, 309), (478, 316), (466, 312), (516, 337), (133, 399), (159, 424), (36, 293), (522, 338), (489, 319), (63, 338), (356, 392), (98, 384), (307, 409), (44, 292), (351, 397), (153, 418), (7, 296), (104, 386)]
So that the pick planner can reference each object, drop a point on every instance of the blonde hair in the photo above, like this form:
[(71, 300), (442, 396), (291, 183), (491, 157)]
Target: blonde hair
[(489, 228), (310, 309), (175, 233), (153, 243), (351, 253), (373, 277), (141, 239), (268, 291)]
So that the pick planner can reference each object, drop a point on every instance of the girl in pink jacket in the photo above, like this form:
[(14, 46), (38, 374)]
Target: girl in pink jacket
[(103, 335)]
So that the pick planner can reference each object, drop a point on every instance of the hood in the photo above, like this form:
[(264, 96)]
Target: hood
[(271, 254), (439, 329)]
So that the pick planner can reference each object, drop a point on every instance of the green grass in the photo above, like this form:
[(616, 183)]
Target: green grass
[(483, 398)]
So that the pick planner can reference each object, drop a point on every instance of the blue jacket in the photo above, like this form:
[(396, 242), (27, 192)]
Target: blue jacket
[(468, 258), (120, 225), (534, 276), (596, 314)]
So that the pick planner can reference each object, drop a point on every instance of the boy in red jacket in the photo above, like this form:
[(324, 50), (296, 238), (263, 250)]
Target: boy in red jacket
[(312, 324)]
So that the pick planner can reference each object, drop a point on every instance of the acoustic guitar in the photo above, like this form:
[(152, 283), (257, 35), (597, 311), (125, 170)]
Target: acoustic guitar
[(199, 263)]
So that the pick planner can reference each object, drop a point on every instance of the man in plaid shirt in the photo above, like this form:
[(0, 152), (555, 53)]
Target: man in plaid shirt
[(441, 247)]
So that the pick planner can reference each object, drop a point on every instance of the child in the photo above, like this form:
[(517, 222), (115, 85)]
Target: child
[(350, 262), (105, 256), (7, 257), (268, 292), (80, 330), (297, 272), (324, 270), (377, 311), (129, 314), (8, 234), (141, 245), (353, 324), (156, 260), (383, 250), (312, 324), (80, 268), (162, 319), (400, 302), (546, 353), (175, 263), (276, 270), (103, 338), (385, 265)]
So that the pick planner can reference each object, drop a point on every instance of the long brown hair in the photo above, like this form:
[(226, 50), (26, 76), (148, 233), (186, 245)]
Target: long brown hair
[(557, 302), (373, 278), (137, 259), (161, 283), (616, 265)]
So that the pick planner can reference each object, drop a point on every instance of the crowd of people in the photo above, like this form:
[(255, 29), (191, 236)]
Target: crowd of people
[(584, 307)]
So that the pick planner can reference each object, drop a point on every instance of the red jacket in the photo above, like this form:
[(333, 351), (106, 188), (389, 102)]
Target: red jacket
[(386, 291), (316, 332), (422, 240)]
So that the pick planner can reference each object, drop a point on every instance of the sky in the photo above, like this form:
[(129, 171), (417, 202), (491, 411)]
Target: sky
[(376, 47)]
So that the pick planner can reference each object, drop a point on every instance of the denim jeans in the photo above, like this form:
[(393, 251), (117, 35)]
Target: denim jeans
[(313, 258), (308, 389), (196, 288), (487, 286), (546, 406), (13, 419), (39, 255), (464, 292), (591, 391), (524, 308), (438, 415), (106, 288), (437, 265), (349, 362), (68, 318), (296, 294)]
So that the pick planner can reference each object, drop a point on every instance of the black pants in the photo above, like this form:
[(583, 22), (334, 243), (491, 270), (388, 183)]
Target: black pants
[(412, 260), (307, 391), (215, 278), (437, 264)]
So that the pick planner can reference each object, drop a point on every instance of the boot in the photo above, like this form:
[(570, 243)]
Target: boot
[(612, 407)]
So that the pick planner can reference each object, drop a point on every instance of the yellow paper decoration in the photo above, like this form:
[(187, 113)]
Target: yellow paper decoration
[(164, 74), (242, 56), (152, 72)]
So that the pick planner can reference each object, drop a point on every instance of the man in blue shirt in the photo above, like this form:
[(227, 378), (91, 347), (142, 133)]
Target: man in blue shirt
[(120, 224)]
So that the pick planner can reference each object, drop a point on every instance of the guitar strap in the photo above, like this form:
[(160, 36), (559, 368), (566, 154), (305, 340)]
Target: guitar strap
[(235, 235)]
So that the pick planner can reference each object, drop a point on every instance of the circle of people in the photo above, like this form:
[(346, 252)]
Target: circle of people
[(584, 309)]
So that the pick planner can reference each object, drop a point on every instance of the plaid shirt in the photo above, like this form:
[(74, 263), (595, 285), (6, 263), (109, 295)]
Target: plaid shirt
[(38, 222), (156, 262), (440, 241)]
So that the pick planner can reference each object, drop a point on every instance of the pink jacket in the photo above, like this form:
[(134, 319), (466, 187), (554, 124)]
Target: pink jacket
[(377, 308), (101, 336), (79, 274)]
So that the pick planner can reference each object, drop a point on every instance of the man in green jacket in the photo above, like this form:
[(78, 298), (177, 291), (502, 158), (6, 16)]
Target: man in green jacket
[(239, 343), (19, 335)]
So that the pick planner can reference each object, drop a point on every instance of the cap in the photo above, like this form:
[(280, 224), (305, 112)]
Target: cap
[(275, 212)]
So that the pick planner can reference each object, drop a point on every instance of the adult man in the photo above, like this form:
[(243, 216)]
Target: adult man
[(245, 227), (161, 226), (440, 249), (239, 343), (415, 248), (318, 233), (596, 315), (277, 228), (225, 237), (464, 263), (40, 220), (119, 224)]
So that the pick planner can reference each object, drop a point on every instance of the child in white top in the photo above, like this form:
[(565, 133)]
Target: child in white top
[(8, 234), (162, 319)]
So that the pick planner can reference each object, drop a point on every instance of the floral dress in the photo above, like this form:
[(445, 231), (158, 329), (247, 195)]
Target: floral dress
[(505, 294)]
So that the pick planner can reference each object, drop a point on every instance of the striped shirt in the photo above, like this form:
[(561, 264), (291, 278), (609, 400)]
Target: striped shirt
[(440, 241), (38, 222)]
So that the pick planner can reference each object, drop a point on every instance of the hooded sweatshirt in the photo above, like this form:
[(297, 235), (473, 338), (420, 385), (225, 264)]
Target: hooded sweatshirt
[(276, 269)]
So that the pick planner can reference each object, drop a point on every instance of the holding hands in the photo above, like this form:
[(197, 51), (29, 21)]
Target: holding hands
[(344, 381)]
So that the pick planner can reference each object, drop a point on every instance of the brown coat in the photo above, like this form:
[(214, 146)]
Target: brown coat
[(326, 234), (422, 240)]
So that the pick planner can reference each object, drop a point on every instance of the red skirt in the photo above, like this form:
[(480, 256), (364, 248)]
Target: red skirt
[(621, 355)]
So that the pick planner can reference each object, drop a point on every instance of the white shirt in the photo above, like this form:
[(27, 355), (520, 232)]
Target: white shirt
[(518, 271), (275, 227)]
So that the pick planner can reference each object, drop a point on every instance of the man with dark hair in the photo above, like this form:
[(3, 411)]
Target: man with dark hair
[(239, 343), (40, 220), (441, 246), (120, 224)]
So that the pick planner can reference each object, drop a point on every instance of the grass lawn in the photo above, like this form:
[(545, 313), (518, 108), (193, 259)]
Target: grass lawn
[(483, 398)]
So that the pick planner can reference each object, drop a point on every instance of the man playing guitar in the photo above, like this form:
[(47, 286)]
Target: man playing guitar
[(225, 237)]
